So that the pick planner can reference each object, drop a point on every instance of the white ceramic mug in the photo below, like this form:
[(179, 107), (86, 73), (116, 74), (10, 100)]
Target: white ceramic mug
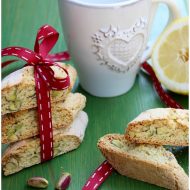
[(106, 40)]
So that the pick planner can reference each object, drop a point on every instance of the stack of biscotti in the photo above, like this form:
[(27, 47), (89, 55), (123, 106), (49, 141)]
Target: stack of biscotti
[(139, 153), (20, 118)]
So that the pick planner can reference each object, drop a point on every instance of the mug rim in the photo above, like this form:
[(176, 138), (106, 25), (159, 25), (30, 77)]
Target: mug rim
[(101, 5)]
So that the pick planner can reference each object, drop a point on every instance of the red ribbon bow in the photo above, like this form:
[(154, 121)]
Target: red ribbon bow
[(45, 81)]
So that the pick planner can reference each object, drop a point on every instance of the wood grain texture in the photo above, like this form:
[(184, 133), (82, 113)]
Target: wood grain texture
[(20, 21)]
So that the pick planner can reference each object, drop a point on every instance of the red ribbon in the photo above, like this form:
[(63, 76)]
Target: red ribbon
[(45, 81), (98, 176), (105, 169), (169, 101)]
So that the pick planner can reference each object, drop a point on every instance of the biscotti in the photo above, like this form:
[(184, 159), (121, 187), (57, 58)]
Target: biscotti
[(161, 126), (148, 163), (18, 88), (24, 124), (26, 153)]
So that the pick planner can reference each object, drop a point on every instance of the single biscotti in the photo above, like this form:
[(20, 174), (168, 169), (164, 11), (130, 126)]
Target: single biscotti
[(161, 126), (18, 88), (26, 153), (148, 163), (24, 124)]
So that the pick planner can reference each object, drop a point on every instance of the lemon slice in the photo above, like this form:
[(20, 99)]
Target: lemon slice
[(170, 57)]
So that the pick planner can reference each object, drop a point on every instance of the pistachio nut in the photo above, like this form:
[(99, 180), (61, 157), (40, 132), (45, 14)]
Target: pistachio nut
[(38, 182), (64, 181)]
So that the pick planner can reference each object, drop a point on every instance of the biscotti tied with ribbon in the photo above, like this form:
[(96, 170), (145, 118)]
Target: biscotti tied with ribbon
[(24, 124), (18, 88), (26, 153), (161, 126), (148, 163)]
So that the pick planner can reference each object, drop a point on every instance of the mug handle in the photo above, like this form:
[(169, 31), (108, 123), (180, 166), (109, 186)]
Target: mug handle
[(174, 13)]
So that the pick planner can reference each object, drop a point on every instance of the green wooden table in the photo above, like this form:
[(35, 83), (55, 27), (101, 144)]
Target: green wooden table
[(21, 19)]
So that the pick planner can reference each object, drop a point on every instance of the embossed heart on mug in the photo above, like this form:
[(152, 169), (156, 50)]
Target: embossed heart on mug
[(120, 49), (123, 52)]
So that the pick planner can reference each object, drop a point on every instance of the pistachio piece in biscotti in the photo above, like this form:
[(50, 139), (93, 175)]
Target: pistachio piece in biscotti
[(161, 130), (56, 151), (152, 131), (12, 164), (18, 127), (55, 93), (132, 134), (14, 161), (31, 92), (11, 96), (117, 143), (146, 128), (55, 145), (14, 106), (10, 132)]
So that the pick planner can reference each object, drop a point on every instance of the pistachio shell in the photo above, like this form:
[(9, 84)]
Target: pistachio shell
[(64, 181)]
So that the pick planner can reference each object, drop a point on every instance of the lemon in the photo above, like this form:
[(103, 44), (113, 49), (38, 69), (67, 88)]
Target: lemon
[(170, 56)]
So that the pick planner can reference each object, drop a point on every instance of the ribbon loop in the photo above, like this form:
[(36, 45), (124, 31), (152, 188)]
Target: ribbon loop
[(25, 54), (46, 38)]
